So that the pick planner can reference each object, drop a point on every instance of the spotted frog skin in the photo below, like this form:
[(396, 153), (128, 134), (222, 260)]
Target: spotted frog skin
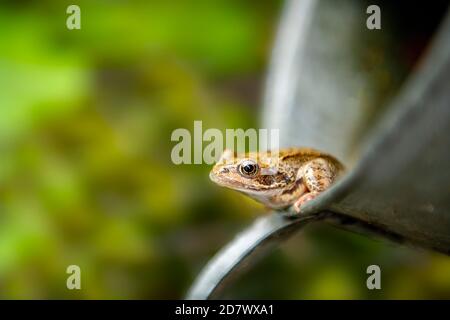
[(289, 177)]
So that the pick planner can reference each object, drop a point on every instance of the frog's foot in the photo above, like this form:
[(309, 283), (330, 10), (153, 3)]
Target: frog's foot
[(303, 199)]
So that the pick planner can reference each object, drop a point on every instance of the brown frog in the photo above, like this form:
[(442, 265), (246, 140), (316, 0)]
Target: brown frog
[(289, 177)]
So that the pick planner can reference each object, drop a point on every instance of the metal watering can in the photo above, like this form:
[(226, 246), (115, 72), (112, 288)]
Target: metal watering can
[(337, 86)]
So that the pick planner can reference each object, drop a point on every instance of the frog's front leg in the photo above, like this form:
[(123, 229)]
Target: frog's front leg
[(317, 175)]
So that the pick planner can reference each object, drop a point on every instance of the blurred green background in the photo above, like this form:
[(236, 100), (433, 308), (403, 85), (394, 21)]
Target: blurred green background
[(86, 176)]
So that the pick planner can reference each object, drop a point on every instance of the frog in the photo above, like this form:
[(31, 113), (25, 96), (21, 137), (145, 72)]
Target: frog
[(281, 179)]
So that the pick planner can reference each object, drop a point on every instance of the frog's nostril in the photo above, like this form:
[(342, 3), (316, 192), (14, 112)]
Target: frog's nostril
[(224, 170)]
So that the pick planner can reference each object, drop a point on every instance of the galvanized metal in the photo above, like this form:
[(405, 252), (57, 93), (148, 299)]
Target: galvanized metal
[(390, 126)]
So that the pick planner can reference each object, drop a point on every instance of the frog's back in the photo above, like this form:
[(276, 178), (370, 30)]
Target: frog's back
[(293, 157), (300, 156)]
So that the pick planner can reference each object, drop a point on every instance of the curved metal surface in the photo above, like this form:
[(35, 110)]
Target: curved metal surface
[(396, 148), (330, 76), (228, 263), (400, 164)]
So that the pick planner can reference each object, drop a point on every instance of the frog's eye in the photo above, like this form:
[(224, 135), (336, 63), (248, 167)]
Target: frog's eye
[(248, 168)]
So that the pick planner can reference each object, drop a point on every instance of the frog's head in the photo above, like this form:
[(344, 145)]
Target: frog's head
[(256, 174)]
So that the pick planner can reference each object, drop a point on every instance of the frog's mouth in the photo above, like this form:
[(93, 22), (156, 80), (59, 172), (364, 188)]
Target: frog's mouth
[(239, 186)]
